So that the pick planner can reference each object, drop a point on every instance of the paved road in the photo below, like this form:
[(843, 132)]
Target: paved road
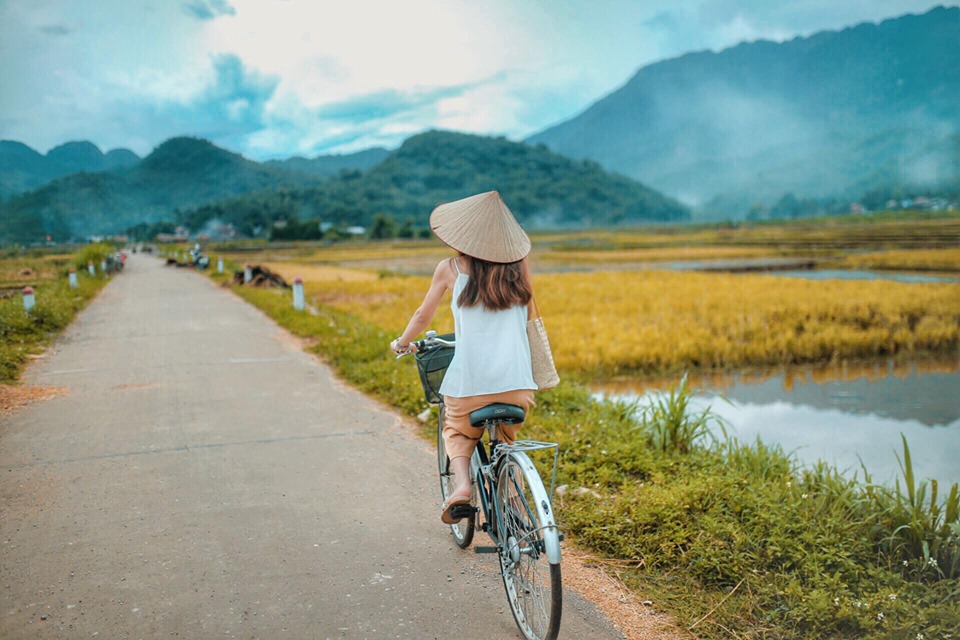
[(204, 478)]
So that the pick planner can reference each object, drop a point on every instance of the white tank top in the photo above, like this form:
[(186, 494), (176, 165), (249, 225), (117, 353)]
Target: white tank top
[(493, 353)]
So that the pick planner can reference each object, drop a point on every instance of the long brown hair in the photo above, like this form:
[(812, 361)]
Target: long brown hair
[(496, 286)]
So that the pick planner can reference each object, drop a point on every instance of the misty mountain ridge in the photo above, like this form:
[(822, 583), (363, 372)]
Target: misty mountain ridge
[(836, 113), (23, 168)]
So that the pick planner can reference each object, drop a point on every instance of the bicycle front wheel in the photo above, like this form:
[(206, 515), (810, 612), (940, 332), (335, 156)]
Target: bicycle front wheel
[(529, 548), (462, 531)]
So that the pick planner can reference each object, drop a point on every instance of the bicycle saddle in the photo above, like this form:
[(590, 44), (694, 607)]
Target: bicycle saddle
[(503, 413)]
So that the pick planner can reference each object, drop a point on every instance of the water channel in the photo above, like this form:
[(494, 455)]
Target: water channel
[(842, 415)]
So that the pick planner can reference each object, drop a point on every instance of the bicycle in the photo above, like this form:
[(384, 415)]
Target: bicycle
[(516, 509)]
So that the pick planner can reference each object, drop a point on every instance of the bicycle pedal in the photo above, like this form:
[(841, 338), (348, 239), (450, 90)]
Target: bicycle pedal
[(463, 511), (477, 549)]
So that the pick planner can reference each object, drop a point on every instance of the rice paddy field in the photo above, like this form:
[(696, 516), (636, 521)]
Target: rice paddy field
[(734, 539), (614, 307)]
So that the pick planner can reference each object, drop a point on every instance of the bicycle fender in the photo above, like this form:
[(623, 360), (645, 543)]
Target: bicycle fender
[(551, 537)]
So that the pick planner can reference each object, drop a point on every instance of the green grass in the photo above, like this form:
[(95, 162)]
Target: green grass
[(736, 540), (23, 333)]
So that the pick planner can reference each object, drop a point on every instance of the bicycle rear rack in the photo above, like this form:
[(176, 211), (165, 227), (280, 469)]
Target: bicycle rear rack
[(535, 445)]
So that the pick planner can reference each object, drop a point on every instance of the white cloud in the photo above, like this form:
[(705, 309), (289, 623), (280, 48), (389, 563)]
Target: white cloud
[(307, 76)]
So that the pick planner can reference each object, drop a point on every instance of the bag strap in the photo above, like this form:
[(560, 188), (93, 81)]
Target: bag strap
[(533, 311)]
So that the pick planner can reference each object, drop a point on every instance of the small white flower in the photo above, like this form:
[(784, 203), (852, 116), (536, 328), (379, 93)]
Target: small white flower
[(880, 617), (858, 604), (789, 484), (932, 562), (892, 596), (919, 636), (905, 563), (804, 496), (836, 601)]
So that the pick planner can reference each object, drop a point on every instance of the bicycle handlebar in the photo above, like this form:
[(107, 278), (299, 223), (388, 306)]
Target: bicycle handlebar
[(432, 340)]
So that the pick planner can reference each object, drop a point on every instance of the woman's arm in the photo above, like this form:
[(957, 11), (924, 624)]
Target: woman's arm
[(443, 279)]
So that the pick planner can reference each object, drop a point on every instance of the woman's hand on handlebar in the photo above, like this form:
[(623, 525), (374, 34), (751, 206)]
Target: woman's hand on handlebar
[(402, 350)]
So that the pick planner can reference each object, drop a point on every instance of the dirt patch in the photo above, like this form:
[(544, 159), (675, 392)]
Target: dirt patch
[(14, 397), (635, 617), (291, 342)]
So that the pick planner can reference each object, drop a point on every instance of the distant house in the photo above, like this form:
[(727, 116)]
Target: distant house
[(356, 231)]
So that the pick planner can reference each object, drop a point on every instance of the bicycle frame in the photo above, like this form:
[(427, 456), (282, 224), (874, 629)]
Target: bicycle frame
[(483, 470)]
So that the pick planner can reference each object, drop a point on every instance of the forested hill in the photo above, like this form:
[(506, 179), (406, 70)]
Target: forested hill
[(836, 113), (180, 173), (191, 181), (23, 168), (330, 165), (542, 188)]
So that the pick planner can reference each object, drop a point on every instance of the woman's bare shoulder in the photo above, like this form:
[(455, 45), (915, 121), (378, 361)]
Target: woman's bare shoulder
[(445, 272)]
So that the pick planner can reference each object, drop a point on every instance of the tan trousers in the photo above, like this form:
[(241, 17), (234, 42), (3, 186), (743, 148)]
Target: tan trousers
[(460, 438)]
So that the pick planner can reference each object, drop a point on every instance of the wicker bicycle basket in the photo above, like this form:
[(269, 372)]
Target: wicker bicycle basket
[(432, 364)]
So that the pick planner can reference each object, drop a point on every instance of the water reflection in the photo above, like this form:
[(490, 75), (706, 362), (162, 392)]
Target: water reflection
[(842, 414), (853, 274)]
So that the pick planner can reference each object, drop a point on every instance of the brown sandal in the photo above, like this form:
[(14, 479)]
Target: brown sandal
[(447, 515)]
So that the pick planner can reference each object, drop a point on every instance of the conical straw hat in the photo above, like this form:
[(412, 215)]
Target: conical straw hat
[(481, 226)]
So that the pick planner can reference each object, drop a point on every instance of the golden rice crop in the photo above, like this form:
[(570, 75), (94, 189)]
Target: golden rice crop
[(657, 322), (910, 259), (318, 273), (654, 254)]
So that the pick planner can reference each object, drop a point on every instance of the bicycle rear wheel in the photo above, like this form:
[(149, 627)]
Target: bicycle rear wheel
[(462, 531), (529, 548)]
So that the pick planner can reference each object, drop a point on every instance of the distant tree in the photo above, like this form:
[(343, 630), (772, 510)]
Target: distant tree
[(787, 207), (406, 229), (757, 212), (383, 228)]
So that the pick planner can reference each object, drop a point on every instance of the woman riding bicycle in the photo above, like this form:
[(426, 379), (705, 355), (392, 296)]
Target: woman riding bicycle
[(491, 285)]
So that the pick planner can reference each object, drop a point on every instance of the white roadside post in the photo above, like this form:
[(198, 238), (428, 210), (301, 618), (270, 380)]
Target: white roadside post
[(73, 278), (28, 299), (103, 267), (92, 270), (247, 274), (219, 265), (298, 294)]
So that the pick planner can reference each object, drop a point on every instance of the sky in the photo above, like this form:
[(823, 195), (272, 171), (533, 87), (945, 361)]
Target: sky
[(277, 78)]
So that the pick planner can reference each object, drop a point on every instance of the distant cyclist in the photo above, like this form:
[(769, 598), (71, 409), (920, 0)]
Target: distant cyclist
[(491, 285)]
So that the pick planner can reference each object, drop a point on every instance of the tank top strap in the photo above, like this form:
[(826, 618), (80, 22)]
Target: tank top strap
[(457, 266)]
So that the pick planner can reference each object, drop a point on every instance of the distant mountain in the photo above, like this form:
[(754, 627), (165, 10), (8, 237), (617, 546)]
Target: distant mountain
[(834, 113), (180, 173), (330, 165), (542, 188), (23, 169)]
